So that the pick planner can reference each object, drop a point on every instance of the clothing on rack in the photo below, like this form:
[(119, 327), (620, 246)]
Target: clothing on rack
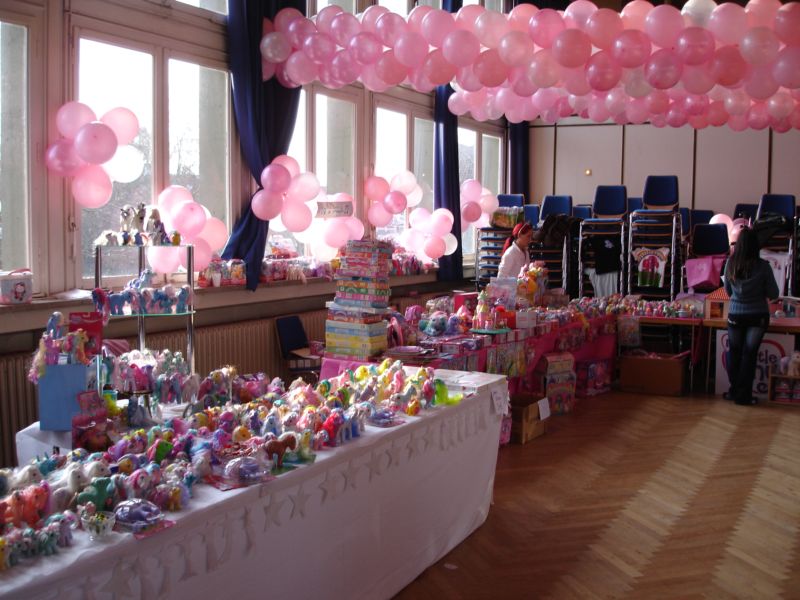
[(607, 250), (651, 263), (604, 284), (779, 261)]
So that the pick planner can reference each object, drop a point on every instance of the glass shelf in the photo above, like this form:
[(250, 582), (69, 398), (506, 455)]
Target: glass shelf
[(148, 315)]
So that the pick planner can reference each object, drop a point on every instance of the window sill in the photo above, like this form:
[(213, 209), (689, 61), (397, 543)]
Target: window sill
[(33, 316)]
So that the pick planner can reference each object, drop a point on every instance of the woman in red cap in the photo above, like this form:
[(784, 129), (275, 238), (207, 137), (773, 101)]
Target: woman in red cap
[(515, 251)]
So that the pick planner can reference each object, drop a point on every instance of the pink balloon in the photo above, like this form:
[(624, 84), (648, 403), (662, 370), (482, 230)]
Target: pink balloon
[(467, 79), (365, 48), (389, 69), (631, 48), (759, 46), (543, 70), (657, 102), (758, 117), (616, 100), (287, 162), (268, 70), (266, 205), (434, 247), (275, 178), (663, 69), (172, 196), (490, 69), (419, 81), (371, 80), (283, 78), (634, 14), (389, 27), (303, 188), (344, 67), (578, 13), (301, 69), (636, 111), (189, 218), (717, 115), (441, 221), (411, 49), (760, 84), (787, 67), (437, 69), (490, 27), (737, 102), (664, 24), (164, 259), (123, 123), (460, 47), (519, 18), (728, 23), (299, 30), (418, 217), (516, 48), (319, 47), (416, 15), (603, 27), (375, 188), (284, 18), (602, 72), (343, 27), (545, 25), (92, 187), (325, 17), (695, 104), (721, 219), (395, 202), (378, 215), (695, 45), (697, 80), (370, 16), (62, 159), (787, 24), (71, 117), (436, 26), (470, 212), (575, 81), (296, 216), (412, 240), (215, 233), (727, 66), (761, 13), (468, 15), (335, 232), (780, 105), (275, 47), (202, 254), (355, 228), (572, 48), (95, 143)]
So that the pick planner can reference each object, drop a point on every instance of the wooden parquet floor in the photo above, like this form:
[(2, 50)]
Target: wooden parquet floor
[(639, 497)]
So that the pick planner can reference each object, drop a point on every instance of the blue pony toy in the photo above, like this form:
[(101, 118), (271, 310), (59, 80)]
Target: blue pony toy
[(182, 299)]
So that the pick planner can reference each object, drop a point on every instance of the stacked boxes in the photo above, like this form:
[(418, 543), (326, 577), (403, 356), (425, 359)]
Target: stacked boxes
[(556, 377), (355, 328)]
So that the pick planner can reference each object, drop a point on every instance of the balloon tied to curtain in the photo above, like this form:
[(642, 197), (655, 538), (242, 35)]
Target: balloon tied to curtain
[(704, 65)]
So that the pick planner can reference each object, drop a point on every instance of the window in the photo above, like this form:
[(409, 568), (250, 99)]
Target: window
[(217, 6), (391, 157), (14, 175)]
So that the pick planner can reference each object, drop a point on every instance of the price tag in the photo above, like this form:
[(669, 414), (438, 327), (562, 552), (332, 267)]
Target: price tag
[(544, 409), (499, 400)]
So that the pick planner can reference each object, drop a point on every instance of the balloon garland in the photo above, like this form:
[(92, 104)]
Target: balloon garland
[(706, 64)]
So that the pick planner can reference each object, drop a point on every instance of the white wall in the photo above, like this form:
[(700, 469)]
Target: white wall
[(716, 167)]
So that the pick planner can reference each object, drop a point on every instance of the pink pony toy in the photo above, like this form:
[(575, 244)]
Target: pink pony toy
[(333, 425), (139, 483), (309, 420), (35, 501)]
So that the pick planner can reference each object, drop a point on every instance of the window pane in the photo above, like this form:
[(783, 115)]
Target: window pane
[(335, 144), (495, 5), (13, 147), (491, 163), (467, 142), (218, 6), (391, 157), (347, 5), (297, 147), (396, 6), (198, 134), (432, 3), (423, 160), (111, 76)]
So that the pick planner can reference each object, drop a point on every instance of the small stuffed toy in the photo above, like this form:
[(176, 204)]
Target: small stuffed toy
[(793, 368)]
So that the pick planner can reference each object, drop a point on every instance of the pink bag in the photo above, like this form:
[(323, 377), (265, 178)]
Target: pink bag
[(704, 272)]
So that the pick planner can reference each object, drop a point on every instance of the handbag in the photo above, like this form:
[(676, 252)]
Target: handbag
[(704, 272)]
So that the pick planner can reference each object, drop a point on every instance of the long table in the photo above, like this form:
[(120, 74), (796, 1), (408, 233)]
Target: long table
[(361, 522)]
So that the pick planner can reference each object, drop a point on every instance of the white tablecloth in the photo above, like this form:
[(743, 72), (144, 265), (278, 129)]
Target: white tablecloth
[(361, 522)]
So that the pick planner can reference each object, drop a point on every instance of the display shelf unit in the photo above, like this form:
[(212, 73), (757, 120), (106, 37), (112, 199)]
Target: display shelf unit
[(141, 318), (784, 389), (489, 251)]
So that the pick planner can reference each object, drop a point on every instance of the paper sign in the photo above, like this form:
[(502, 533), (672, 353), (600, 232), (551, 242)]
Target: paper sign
[(499, 401), (329, 210), (773, 348), (544, 409)]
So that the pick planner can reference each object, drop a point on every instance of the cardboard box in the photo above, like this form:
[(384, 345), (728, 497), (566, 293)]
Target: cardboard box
[(556, 362), (58, 395), (661, 374), (525, 423)]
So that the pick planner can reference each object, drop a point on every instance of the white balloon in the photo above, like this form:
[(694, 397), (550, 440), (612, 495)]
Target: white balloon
[(450, 244), (277, 225), (126, 166), (415, 196), (698, 11)]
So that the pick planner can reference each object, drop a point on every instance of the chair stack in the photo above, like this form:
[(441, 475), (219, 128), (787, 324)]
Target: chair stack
[(354, 328), (783, 241), (654, 234), (606, 226), (556, 257)]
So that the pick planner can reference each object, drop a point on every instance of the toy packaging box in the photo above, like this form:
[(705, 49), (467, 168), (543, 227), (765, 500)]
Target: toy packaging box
[(593, 377), (58, 395), (560, 391), (16, 287)]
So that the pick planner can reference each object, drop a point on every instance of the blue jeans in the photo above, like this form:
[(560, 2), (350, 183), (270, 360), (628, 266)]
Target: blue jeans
[(745, 333)]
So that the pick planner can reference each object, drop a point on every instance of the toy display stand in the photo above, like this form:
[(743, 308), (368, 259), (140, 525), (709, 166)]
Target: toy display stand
[(784, 389), (140, 318)]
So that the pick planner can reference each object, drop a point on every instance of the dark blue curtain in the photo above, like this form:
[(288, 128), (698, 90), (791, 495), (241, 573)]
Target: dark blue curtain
[(265, 115), (519, 159), (445, 169)]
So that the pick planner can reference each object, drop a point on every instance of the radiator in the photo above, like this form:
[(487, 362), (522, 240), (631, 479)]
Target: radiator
[(18, 406)]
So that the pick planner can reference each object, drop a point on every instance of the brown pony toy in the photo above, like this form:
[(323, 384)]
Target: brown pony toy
[(277, 448)]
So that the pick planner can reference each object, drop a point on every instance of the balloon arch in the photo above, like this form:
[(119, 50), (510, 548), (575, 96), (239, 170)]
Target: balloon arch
[(707, 64)]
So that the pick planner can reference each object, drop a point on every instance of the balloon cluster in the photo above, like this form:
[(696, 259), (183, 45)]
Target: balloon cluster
[(707, 64), (290, 200), (179, 211), (477, 203), (734, 226), (389, 199), (93, 152)]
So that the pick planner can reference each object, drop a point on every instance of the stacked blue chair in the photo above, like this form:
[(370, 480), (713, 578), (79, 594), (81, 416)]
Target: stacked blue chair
[(747, 211), (655, 226), (511, 200), (582, 211), (785, 205), (531, 212), (700, 216), (608, 221), (555, 205)]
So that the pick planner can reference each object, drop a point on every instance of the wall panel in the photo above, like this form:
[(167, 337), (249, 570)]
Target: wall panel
[(653, 151), (786, 163), (541, 162), (587, 147)]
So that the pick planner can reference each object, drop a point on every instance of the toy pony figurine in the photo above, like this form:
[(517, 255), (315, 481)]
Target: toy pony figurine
[(100, 299), (55, 325), (182, 298)]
